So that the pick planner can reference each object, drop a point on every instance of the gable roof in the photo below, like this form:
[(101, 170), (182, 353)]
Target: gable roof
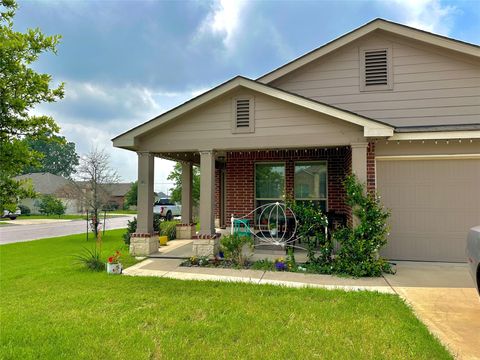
[(371, 127), (377, 24), (45, 183)]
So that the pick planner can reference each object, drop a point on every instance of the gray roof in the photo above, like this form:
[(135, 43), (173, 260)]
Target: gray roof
[(45, 183), (119, 189)]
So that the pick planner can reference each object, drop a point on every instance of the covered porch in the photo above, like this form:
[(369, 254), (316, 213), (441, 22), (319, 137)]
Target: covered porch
[(253, 144)]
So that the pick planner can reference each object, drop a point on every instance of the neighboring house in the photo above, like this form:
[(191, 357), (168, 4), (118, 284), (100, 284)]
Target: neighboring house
[(399, 107), (117, 193), (160, 195), (50, 184)]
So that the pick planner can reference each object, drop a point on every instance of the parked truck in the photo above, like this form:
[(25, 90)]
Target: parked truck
[(167, 209)]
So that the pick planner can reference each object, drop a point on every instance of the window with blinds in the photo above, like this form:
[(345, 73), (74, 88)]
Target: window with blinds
[(376, 69)]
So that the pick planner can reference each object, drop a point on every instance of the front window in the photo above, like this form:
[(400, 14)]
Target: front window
[(269, 185), (311, 183)]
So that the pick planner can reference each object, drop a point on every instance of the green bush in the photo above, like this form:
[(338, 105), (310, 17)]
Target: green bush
[(25, 210), (232, 246), (265, 265), (360, 245), (50, 205), (132, 227), (169, 229)]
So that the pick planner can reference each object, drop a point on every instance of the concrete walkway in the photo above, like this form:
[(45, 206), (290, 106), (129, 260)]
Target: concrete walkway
[(442, 295)]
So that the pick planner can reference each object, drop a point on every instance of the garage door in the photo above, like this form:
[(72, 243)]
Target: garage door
[(433, 204)]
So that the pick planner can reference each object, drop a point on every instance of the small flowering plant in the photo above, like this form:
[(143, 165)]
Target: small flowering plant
[(280, 264), (115, 259)]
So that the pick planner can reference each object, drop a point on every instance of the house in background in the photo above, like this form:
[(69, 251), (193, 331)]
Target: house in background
[(397, 106), (117, 193), (55, 185)]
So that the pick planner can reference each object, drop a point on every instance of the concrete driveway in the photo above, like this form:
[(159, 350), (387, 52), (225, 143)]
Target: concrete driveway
[(19, 233), (444, 297)]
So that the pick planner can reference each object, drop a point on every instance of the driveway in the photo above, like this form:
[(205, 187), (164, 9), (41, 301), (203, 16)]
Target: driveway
[(20, 233), (444, 297)]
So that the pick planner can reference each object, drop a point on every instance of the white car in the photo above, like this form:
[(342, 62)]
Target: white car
[(167, 209), (10, 215), (473, 254)]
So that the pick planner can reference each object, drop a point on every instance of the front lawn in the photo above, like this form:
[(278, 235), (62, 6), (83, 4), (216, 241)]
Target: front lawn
[(51, 308)]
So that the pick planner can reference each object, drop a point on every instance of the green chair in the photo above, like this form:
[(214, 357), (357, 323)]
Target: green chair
[(241, 227)]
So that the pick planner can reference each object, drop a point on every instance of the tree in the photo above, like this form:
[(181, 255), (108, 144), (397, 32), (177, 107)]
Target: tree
[(96, 174), (131, 195), (58, 156), (50, 205), (21, 88), (176, 177)]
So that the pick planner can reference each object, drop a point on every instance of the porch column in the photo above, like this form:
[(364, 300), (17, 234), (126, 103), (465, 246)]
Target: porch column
[(144, 241), (359, 166), (187, 184), (359, 161), (207, 192)]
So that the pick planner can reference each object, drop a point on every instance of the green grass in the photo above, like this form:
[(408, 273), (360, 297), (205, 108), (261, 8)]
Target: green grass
[(126, 212), (53, 309)]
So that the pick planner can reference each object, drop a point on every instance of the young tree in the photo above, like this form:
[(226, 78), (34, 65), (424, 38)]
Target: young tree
[(21, 88), (176, 177), (131, 195), (95, 174), (58, 156)]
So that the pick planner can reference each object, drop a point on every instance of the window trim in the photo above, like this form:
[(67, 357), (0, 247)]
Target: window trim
[(251, 126), (389, 85), (326, 178)]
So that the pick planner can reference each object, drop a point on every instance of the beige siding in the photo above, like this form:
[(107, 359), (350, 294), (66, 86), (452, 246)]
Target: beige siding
[(430, 86), (277, 124), (433, 203)]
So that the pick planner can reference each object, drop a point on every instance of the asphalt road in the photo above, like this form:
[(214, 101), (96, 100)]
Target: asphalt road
[(20, 233)]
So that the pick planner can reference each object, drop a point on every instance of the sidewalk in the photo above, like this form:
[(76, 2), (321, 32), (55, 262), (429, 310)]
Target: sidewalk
[(170, 268)]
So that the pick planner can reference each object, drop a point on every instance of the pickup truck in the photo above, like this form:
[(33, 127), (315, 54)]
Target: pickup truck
[(167, 209), (473, 254)]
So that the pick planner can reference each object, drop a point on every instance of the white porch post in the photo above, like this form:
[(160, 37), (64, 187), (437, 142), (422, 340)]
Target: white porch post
[(359, 166), (207, 192), (187, 184), (144, 241)]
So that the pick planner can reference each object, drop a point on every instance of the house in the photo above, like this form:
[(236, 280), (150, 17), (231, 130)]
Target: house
[(51, 184), (397, 106), (117, 193)]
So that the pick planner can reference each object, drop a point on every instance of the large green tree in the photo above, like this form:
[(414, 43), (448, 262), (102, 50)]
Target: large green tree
[(176, 177), (21, 89), (131, 195), (58, 156)]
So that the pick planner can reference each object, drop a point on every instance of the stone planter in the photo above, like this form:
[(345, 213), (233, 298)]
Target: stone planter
[(114, 268), (186, 231)]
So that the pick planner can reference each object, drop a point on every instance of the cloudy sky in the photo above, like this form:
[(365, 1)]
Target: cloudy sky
[(125, 62)]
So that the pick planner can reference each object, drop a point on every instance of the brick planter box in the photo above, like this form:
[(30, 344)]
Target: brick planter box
[(186, 231)]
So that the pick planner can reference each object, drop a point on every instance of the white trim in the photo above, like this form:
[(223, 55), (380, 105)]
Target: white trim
[(127, 139), (438, 135), (378, 24), (428, 157)]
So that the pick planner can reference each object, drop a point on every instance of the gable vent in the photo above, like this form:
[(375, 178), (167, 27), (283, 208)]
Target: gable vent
[(242, 113), (376, 67)]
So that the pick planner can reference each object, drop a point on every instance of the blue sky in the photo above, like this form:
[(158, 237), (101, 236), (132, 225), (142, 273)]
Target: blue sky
[(124, 62)]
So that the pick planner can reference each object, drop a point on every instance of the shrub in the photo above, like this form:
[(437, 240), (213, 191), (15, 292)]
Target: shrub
[(91, 259), (132, 227), (25, 210), (50, 205), (360, 245), (169, 229), (232, 246), (265, 264)]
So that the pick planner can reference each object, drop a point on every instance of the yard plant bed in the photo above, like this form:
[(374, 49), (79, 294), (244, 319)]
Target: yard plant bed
[(53, 308)]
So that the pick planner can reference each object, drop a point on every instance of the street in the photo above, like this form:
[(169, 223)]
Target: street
[(20, 233)]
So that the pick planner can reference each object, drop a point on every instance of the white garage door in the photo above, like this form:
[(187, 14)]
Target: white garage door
[(433, 204)]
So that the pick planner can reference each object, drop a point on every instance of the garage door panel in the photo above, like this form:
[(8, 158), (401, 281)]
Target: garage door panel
[(433, 204)]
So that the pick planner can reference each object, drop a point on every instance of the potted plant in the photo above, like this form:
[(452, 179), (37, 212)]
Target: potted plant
[(114, 266)]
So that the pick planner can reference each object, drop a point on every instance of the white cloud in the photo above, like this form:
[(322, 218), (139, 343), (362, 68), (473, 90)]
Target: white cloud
[(429, 15), (224, 20)]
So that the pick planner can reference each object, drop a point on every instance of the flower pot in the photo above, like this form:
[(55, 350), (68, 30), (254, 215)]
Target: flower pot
[(163, 240), (114, 268)]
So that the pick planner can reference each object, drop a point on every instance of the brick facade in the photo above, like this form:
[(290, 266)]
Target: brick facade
[(240, 176), (371, 172)]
